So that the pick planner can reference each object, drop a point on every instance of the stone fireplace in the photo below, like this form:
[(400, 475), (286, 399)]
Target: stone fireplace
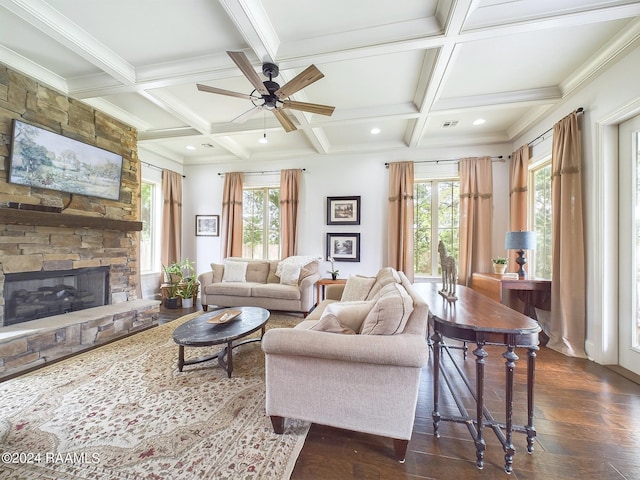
[(50, 233), (32, 295)]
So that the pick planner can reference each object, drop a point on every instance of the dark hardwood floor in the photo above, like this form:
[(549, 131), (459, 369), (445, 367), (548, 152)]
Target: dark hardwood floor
[(587, 418)]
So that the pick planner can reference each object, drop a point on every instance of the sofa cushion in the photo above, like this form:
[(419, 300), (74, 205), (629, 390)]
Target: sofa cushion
[(357, 288), (350, 314), (300, 260), (272, 277), (234, 271), (290, 274), (218, 271), (238, 289), (275, 290), (384, 277), (258, 271), (390, 312), (330, 323)]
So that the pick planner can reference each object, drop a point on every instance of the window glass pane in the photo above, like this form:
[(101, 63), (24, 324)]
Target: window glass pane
[(448, 221), (541, 219), (436, 206), (253, 226), (146, 235), (261, 223), (274, 225), (422, 252)]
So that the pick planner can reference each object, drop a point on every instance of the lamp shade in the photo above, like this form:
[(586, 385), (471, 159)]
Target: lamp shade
[(520, 240)]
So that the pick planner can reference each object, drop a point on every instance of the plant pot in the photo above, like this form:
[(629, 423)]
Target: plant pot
[(334, 276), (499, 268), (171, 302), (187, 302)]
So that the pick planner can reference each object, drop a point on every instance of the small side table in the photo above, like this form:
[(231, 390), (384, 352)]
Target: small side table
[(323, 282)]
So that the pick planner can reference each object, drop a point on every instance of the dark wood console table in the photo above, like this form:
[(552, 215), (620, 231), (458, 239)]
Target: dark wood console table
[(478, 319), (532, 291)]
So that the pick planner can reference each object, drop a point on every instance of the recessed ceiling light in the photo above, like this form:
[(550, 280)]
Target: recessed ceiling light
[(375, 131), (190, 147), (479, 121)]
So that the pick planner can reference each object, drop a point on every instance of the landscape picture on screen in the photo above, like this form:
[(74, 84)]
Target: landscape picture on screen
[(43, 159)]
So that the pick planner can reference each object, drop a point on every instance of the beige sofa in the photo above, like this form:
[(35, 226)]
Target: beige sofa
[(367, 381), (256, 283)]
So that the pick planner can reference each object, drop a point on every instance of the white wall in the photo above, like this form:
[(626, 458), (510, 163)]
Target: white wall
[(608, 99), (334, 175)]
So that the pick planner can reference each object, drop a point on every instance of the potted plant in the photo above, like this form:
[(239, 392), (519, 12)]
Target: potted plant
[(499, 265), (187, 288), (172, 277), (334, 272)]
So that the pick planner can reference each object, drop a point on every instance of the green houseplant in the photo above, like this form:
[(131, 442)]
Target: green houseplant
[(187, 288), (180, 282), (499, 264)]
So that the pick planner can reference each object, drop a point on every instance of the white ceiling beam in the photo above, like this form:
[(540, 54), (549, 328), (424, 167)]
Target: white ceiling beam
[(26, 66), (52, 23), (253, 23), (532, 96)]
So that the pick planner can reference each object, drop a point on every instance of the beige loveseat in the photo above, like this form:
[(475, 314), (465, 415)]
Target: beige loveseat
[(285, 285), (366, 377)]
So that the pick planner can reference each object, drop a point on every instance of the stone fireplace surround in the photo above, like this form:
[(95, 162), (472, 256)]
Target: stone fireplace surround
[(90, 232)]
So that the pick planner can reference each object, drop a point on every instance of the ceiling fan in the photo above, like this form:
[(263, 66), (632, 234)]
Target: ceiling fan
[(269, 95)]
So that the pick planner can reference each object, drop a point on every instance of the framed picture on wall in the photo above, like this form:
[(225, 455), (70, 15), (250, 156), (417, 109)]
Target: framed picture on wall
[(343, 210), (343, 247), (208, 225)]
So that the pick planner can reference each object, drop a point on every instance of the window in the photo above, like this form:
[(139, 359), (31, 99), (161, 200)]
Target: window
[(261, 223), (540, 215), (443, 198), (149, 215)]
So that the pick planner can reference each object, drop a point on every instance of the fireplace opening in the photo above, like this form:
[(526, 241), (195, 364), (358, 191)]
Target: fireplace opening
[(33, 295)]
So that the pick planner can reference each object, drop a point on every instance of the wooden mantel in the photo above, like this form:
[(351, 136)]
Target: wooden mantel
[(11, 216)]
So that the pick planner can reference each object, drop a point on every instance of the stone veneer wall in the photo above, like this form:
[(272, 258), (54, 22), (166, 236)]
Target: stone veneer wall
[(35, 248)]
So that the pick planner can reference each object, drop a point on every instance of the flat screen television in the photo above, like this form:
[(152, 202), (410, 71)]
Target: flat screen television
[(44, 159)]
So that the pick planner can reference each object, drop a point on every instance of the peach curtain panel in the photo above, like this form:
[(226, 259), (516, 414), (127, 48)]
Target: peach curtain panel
[(289, 200), (171, 217), (232, 215), (518, 186), (400, 222), (476, 217), (568, 286)]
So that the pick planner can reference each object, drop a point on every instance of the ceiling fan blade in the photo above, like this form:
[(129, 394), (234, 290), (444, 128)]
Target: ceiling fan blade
[(248, 114), (309, 107), (245, 66), (207, 88), (284, 120), (307, 77)]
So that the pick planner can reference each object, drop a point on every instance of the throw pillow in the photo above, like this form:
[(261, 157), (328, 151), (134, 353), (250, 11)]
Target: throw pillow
[(234, 271), (390, 313), (290, 274), (272, 277), (357, 288), (330, 323), (350, 314), (218, 271)]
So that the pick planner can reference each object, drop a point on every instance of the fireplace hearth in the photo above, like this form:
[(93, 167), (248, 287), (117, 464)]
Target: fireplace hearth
[(32, 295)]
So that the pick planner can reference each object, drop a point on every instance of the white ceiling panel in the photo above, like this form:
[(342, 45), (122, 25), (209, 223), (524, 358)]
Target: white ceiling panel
[(405, 68)]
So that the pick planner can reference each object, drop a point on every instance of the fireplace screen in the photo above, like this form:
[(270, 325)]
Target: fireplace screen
[(33, 295)]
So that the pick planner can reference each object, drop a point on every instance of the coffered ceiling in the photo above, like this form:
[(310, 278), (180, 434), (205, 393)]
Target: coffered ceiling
[(422, 71)]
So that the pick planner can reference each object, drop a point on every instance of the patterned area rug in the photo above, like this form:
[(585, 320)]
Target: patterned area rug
[(123, 411)]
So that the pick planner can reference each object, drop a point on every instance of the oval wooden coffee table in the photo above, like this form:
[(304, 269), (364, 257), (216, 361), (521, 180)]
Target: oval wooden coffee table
[(200, 333)]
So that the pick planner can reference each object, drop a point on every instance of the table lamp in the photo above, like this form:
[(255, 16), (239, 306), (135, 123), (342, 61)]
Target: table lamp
[(520, 241)]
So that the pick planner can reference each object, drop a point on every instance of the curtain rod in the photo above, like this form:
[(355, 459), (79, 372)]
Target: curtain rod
[(577, 110), (260, 172), (498, 158), (159, 168)]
